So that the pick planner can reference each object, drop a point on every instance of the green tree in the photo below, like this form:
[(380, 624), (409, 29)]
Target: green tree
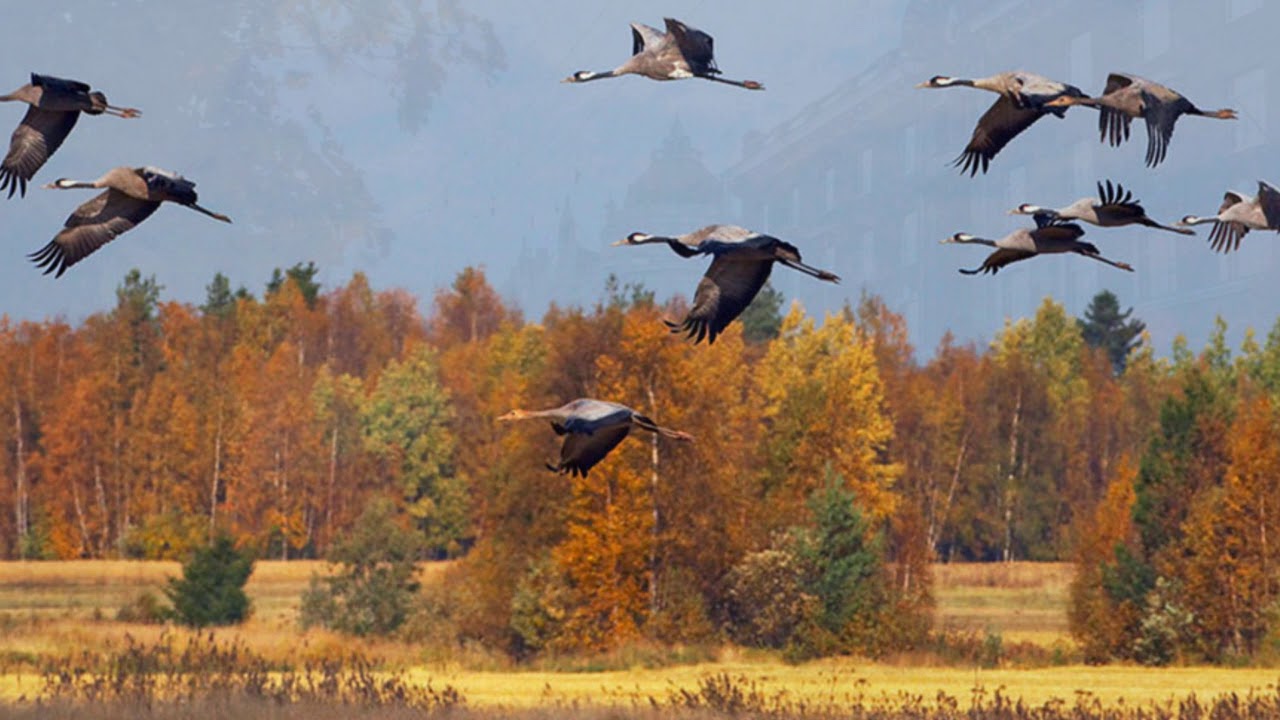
[(406, 426), (303, 276), (372, 589), (762, 319), (211, 591), (1104, 326), (843, 559)]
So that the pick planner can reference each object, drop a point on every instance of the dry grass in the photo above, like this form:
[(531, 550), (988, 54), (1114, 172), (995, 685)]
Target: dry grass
[(50, 610), (1021, 601)]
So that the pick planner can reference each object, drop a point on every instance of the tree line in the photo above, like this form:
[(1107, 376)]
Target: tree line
[(832, 465)]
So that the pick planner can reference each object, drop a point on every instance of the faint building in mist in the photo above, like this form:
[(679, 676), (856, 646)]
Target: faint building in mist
[(674, 194), (861, 178)]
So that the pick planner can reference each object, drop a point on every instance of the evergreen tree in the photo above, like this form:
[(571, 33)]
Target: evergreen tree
[(763, 317), (219, 300), (374, 586), (1104, 326), (211, 591), (304, 276)]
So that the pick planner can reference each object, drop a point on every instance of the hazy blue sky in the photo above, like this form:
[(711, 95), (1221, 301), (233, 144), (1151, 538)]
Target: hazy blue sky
[(410, 139)]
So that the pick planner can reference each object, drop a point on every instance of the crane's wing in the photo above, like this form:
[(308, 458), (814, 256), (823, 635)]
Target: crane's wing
[(38, 136), (1114, 125), (1226, 236), (59, 84), (643, 37), (1118, 202), (998, 125), (1058, 232), (581, 451), (696, 46), (1160, 117), (1115, 81), (999, 259), (1269, 201), (723, 293), (93, 224)]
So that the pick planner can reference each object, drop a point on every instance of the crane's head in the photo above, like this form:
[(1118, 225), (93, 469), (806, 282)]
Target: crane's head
[(635, 238), (514, 415), (580, 76), (65, 184), (941, 81), (959, 238), (1027, 209), (1069, 100)]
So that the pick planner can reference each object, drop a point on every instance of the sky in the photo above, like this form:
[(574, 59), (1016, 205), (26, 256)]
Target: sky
[(407, 139)]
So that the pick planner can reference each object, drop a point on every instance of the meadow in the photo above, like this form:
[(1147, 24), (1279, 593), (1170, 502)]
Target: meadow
[(54, 610)]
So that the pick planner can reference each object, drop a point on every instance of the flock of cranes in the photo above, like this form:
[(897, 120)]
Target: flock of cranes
[(129, 195), (1026, 97), (741, 259)]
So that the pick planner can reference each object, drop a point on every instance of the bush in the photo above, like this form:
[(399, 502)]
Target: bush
[(373, 587), (767, 601), (211, 591), (144, 608)]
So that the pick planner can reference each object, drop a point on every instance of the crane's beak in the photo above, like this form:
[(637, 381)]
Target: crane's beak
[(924, 84), (619, 243), (513, 415)]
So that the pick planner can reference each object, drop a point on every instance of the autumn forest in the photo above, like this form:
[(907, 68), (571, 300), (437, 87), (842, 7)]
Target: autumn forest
[(833, 463)]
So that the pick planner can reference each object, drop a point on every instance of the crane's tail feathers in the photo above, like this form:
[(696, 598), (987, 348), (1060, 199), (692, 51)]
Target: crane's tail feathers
[(809, 270), (645, 423), (210, 213)]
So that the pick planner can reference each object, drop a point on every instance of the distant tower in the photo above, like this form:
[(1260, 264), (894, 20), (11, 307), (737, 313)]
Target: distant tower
[(676, 193)]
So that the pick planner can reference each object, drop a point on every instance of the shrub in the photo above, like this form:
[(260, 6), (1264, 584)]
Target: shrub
[(767, 601), (145, 608), (211, 591), (373, 587)]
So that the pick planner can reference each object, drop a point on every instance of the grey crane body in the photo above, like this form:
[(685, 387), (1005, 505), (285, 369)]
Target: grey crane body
[(742, 261), (130, 196), (679, 53), (1238, 214), (1024, 98), (1127, 97), (56, 104), (591, 429), (1115, 207), (1046, 239)]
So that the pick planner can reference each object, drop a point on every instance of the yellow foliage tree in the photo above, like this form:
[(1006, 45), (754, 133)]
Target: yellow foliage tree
[(822, 405)]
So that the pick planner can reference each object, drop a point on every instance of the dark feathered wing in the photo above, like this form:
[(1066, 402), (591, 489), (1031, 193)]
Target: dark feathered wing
[(1118, 202), (1161, 118), (1113, 125), (999, 259), (582, 451), (1269, 201), (91, 226), (723, 293), (1226, 236), (38, 136), (998, 125), (696, 46)]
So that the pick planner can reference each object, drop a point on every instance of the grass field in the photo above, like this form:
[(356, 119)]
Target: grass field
[(1022, 602), (56, 609)]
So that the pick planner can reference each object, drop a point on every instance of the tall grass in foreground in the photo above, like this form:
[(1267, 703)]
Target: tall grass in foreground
[(204, 678)]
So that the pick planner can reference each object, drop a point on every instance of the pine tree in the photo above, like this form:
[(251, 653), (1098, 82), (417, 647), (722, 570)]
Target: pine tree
[(1104, 326), (762, 319)]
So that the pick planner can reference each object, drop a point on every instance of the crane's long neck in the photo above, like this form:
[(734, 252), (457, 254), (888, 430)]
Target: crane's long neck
[(971, 241), (1196, 220), (589, 75), (68, 184)]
